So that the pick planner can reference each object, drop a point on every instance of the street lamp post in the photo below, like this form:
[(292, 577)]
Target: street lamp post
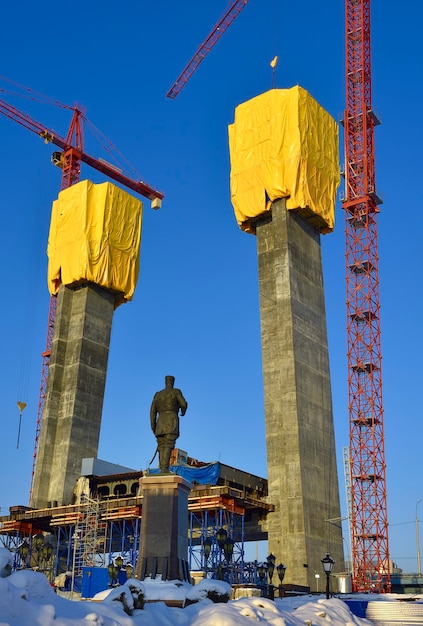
[(129, 569), (113, 569), (261, 571), (207, 546), (37, 543), (113, 572), (221, 536), (47, 551), (281, 569), (271, 560), (36, 554), (228, 550), (119, 562), (328, 564), (265, 573), (418, 540), (23, 553)]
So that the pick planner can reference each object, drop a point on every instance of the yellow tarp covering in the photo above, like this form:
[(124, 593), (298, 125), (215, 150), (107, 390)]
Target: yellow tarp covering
[(283, 144), (95, 235)]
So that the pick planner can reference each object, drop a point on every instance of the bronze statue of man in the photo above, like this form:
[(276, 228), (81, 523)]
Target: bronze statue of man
[(164, 416)]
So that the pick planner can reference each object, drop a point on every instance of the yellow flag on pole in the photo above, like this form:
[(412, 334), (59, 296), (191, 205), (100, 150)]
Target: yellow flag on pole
[(274, 62), (21, 406)]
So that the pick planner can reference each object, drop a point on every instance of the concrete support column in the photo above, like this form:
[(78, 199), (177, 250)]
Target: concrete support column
[(70, 428), (164, 528), (302, 472)]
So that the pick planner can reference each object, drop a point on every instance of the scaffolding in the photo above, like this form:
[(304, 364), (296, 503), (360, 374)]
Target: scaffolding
[(216, 544), (98, 531)]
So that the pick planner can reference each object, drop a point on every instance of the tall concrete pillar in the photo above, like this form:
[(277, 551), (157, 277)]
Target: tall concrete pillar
[(302, 472), (70, 428)]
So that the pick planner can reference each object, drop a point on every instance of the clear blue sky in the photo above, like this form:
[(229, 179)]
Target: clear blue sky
[(196, 313)]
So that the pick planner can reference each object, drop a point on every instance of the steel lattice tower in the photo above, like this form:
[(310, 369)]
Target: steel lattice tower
[(369, 523)]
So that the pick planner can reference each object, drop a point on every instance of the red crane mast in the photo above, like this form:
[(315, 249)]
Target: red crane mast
[(231, 12), (69, 159), (369, 523)]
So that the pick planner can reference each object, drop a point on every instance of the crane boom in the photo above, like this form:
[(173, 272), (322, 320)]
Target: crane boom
[(369, 523), (48, 135), (232, 11)]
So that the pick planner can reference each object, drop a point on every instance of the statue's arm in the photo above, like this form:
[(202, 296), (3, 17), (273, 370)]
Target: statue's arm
[(153, 415), (183, 404)]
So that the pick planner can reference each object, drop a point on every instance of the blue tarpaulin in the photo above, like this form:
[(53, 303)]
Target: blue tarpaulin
[(204, 475)]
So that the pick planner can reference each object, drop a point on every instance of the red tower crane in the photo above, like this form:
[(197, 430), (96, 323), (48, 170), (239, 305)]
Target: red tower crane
[(369, 523), (231, 12), (69, 160)]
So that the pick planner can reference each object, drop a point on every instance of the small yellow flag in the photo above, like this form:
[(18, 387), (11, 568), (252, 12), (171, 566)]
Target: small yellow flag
[(21, 406), (274, 62)]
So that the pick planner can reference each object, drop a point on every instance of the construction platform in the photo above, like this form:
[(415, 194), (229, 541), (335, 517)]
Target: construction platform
[(104, 520)]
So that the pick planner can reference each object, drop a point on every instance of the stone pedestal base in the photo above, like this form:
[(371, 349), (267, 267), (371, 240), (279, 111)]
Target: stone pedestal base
[(164, 528)]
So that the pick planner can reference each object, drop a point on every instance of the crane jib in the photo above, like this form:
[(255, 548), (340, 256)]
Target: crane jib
[(50, 136)]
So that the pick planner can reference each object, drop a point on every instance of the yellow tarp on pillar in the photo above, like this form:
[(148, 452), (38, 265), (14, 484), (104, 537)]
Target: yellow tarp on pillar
[(283, 144), (95, 236)]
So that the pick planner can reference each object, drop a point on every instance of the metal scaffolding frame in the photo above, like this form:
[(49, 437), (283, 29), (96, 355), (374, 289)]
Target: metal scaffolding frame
[(208, 551), (123, 539), (98, 532)]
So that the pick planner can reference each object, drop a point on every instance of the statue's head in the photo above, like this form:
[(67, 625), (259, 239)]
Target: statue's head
[(169, 381)]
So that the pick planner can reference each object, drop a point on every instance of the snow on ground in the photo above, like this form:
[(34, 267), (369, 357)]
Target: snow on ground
[(27, 599)]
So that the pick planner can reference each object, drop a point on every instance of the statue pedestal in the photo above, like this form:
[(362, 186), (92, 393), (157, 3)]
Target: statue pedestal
[(164, 528)]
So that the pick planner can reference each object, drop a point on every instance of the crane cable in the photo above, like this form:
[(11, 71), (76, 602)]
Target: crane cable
[(31, 301)]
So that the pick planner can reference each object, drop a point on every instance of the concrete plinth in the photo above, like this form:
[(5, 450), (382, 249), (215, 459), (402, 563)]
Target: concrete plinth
[(70, 428), (164, 528), (301, 459)]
